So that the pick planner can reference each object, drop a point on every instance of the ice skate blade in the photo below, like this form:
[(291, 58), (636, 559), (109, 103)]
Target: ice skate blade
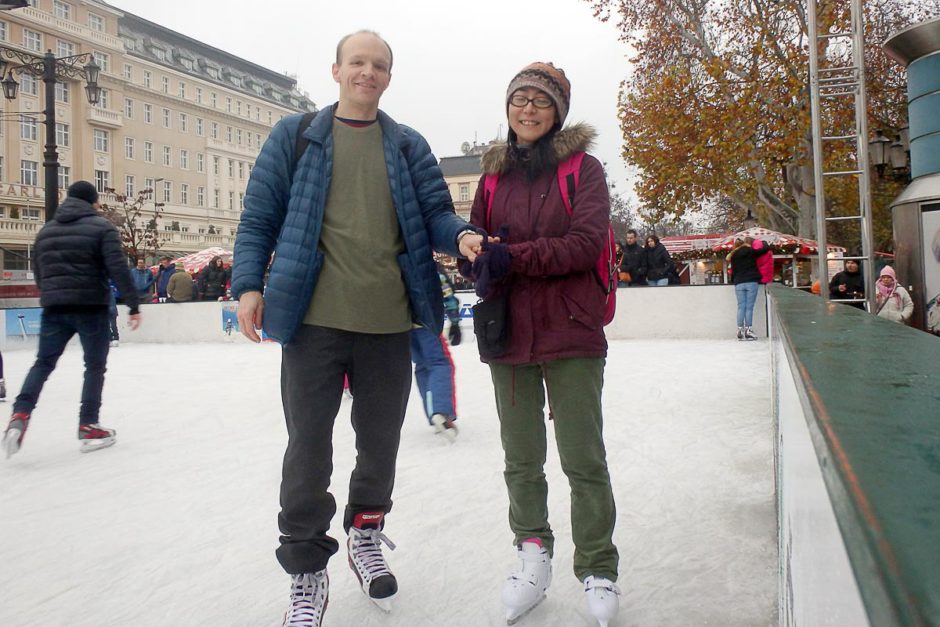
[(384, 604), (440, 428), (90, 446), (513, 616), (11, 442)]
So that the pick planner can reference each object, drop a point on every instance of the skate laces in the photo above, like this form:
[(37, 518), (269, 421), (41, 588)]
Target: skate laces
[(308, 599), (367, 547)]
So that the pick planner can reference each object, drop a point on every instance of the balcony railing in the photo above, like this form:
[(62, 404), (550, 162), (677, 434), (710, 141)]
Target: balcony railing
[(97, 115)]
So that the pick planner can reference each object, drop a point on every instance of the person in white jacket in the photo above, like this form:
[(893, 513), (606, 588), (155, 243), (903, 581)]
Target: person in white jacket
[(891, 300)]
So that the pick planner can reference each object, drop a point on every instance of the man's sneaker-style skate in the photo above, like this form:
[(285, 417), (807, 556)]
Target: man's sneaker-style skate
[(309, 596), (445, 426), (526, 587), (602, 597), (94, 437), (366, 559), (13, 437)]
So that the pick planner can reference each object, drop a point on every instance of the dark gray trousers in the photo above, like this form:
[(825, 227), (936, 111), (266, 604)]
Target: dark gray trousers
[(312, 369)]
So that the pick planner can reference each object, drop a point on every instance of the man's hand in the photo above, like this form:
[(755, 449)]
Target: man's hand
[(133, 321), (470, 245), (250, 314), (842, 287)]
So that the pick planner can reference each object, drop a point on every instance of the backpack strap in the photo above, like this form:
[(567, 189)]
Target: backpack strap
[(569, 173), (301, 142)]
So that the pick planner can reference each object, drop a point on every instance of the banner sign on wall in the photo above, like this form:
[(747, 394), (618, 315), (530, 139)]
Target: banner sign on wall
[(23, 322)]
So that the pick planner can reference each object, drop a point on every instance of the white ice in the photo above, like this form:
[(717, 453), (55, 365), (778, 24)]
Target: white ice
[(175, 526)]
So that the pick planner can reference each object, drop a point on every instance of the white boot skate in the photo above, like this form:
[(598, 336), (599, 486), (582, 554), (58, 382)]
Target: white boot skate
[(446, 426), (603, 598), (366, 559), (526, 587), (309, 596), (13, 436)]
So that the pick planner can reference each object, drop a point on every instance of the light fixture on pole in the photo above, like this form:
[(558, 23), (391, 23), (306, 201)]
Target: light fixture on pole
[(877, 151), (51, 70)]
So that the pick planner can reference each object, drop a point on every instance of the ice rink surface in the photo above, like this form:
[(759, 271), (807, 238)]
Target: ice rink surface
[(175, 526)]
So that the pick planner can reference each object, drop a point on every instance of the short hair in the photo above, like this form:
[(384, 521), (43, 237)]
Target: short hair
[(364, 31), (633, 232)]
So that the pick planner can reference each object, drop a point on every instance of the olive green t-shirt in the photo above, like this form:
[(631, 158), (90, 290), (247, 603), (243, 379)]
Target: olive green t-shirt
[(360, 287)]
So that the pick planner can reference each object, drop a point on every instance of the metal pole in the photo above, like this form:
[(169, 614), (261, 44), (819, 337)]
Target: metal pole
[(864, 179), (50, 156), (816, 114)]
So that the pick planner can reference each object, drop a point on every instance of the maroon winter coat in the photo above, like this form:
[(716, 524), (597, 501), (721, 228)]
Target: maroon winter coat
[(556, 303)]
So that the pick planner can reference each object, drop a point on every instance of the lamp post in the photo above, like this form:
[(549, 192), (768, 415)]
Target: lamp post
[(50, 69)]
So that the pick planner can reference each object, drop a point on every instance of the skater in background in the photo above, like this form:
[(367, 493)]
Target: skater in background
[(143, 282), (434, 366), (74, 256), (352, 274), (556, 347), (892, 301), (164, 272), (659, 264), (113, 315), (747, 278)]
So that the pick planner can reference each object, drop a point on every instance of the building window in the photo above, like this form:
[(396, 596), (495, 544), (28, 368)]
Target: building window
[(200, 162), (241, 170), (65, 176), (129, 185), (148, 78), (464, 192), (199, 95), (231, 169), (101, 140), (258, 139), (128, 108), (166, 118), (167, 157), (228, 104), (62, 134), (104, 100), (231, 201), (29, 86), (148, 186), (64, 48), (3, 31), (95, 22), (182, 91), (241, 201), (165, 84), (102, 180), (167, 191), (128, 72), (183, 122), (184, 159), (148, 113), (215, 198), (103, 60), (128, 147), (62, 92), (238, 107), (248, 135), (184, 194), (238, 136), (148, 154), (228, 134), (29, 173), (215, 100), (199, 126), (29, 129), (61, 10), (200, 196), (215, 165), (214, 132), (32, 40)]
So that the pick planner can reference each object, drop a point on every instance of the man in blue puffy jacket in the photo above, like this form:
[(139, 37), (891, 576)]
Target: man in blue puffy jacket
[(351, 211)]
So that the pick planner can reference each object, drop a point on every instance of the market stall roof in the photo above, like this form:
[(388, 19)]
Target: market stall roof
[(774, 238)]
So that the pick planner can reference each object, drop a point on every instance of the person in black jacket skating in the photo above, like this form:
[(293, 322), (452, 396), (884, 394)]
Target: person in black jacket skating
[(74, 257)]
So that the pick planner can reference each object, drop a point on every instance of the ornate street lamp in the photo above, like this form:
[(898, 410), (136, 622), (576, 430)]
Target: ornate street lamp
[(50, 69), (877, 152)]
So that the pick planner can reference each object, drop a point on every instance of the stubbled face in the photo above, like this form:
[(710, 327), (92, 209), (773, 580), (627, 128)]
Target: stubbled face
[(631, 239), (364, 72), (529, 122)]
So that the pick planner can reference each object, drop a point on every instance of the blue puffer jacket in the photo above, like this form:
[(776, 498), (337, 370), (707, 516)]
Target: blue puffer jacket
[(286, 218)]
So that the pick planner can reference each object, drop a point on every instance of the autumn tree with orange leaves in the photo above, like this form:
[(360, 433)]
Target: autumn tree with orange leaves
[(717, 110)]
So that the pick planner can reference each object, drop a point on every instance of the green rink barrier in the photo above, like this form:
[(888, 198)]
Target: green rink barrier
[(870, 392)]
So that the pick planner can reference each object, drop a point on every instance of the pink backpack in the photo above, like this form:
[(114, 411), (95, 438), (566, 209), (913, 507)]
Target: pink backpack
[(605, 268)]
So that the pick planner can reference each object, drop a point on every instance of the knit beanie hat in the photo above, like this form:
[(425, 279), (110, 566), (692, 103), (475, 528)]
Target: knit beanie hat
[(548, 78), (888, 270), (83, 190)]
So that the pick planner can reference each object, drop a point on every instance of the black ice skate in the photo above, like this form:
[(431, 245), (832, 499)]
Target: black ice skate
[(366, 559)]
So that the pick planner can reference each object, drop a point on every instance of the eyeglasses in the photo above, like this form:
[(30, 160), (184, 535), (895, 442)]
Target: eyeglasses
[(540, 102)]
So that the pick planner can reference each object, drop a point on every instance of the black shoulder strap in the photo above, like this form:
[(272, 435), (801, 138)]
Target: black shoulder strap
[(301, 142)]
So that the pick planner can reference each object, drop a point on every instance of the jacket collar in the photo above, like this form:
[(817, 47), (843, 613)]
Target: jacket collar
[(322, 126), (567, 141)]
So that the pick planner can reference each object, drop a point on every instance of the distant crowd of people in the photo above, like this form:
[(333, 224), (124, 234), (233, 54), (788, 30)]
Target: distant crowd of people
[(639, 265), (172, 283)]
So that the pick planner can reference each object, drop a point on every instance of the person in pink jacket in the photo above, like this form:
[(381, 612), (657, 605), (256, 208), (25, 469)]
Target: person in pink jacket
[(765, 263)]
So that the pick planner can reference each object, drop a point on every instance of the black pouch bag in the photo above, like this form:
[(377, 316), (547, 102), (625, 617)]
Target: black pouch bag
[(491, 326)]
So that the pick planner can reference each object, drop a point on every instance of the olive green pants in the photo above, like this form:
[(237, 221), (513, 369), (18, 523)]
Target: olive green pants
[(574, 401)]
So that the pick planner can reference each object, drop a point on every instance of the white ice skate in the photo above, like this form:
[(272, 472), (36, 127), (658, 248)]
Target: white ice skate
[(13, 436), (309, 596), (525, 588), (444, 426), (367, 561), (603, 598)]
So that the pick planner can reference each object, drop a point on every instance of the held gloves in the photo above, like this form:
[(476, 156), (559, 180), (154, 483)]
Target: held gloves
[(490, 268)]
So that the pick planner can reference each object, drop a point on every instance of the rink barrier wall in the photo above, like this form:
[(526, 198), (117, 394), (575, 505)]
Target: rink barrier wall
[(673, 312), (857, 402)]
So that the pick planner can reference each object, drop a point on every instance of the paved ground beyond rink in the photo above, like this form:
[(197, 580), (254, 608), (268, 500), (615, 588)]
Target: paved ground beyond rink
[(176, 524)]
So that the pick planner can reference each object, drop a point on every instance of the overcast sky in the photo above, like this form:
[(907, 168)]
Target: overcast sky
[(453, 60)]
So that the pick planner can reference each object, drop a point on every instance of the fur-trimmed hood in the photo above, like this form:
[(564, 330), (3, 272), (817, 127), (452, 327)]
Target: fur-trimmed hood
[(566, 142)]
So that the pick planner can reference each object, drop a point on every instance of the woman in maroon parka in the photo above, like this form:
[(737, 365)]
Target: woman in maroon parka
[(544, 262)]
